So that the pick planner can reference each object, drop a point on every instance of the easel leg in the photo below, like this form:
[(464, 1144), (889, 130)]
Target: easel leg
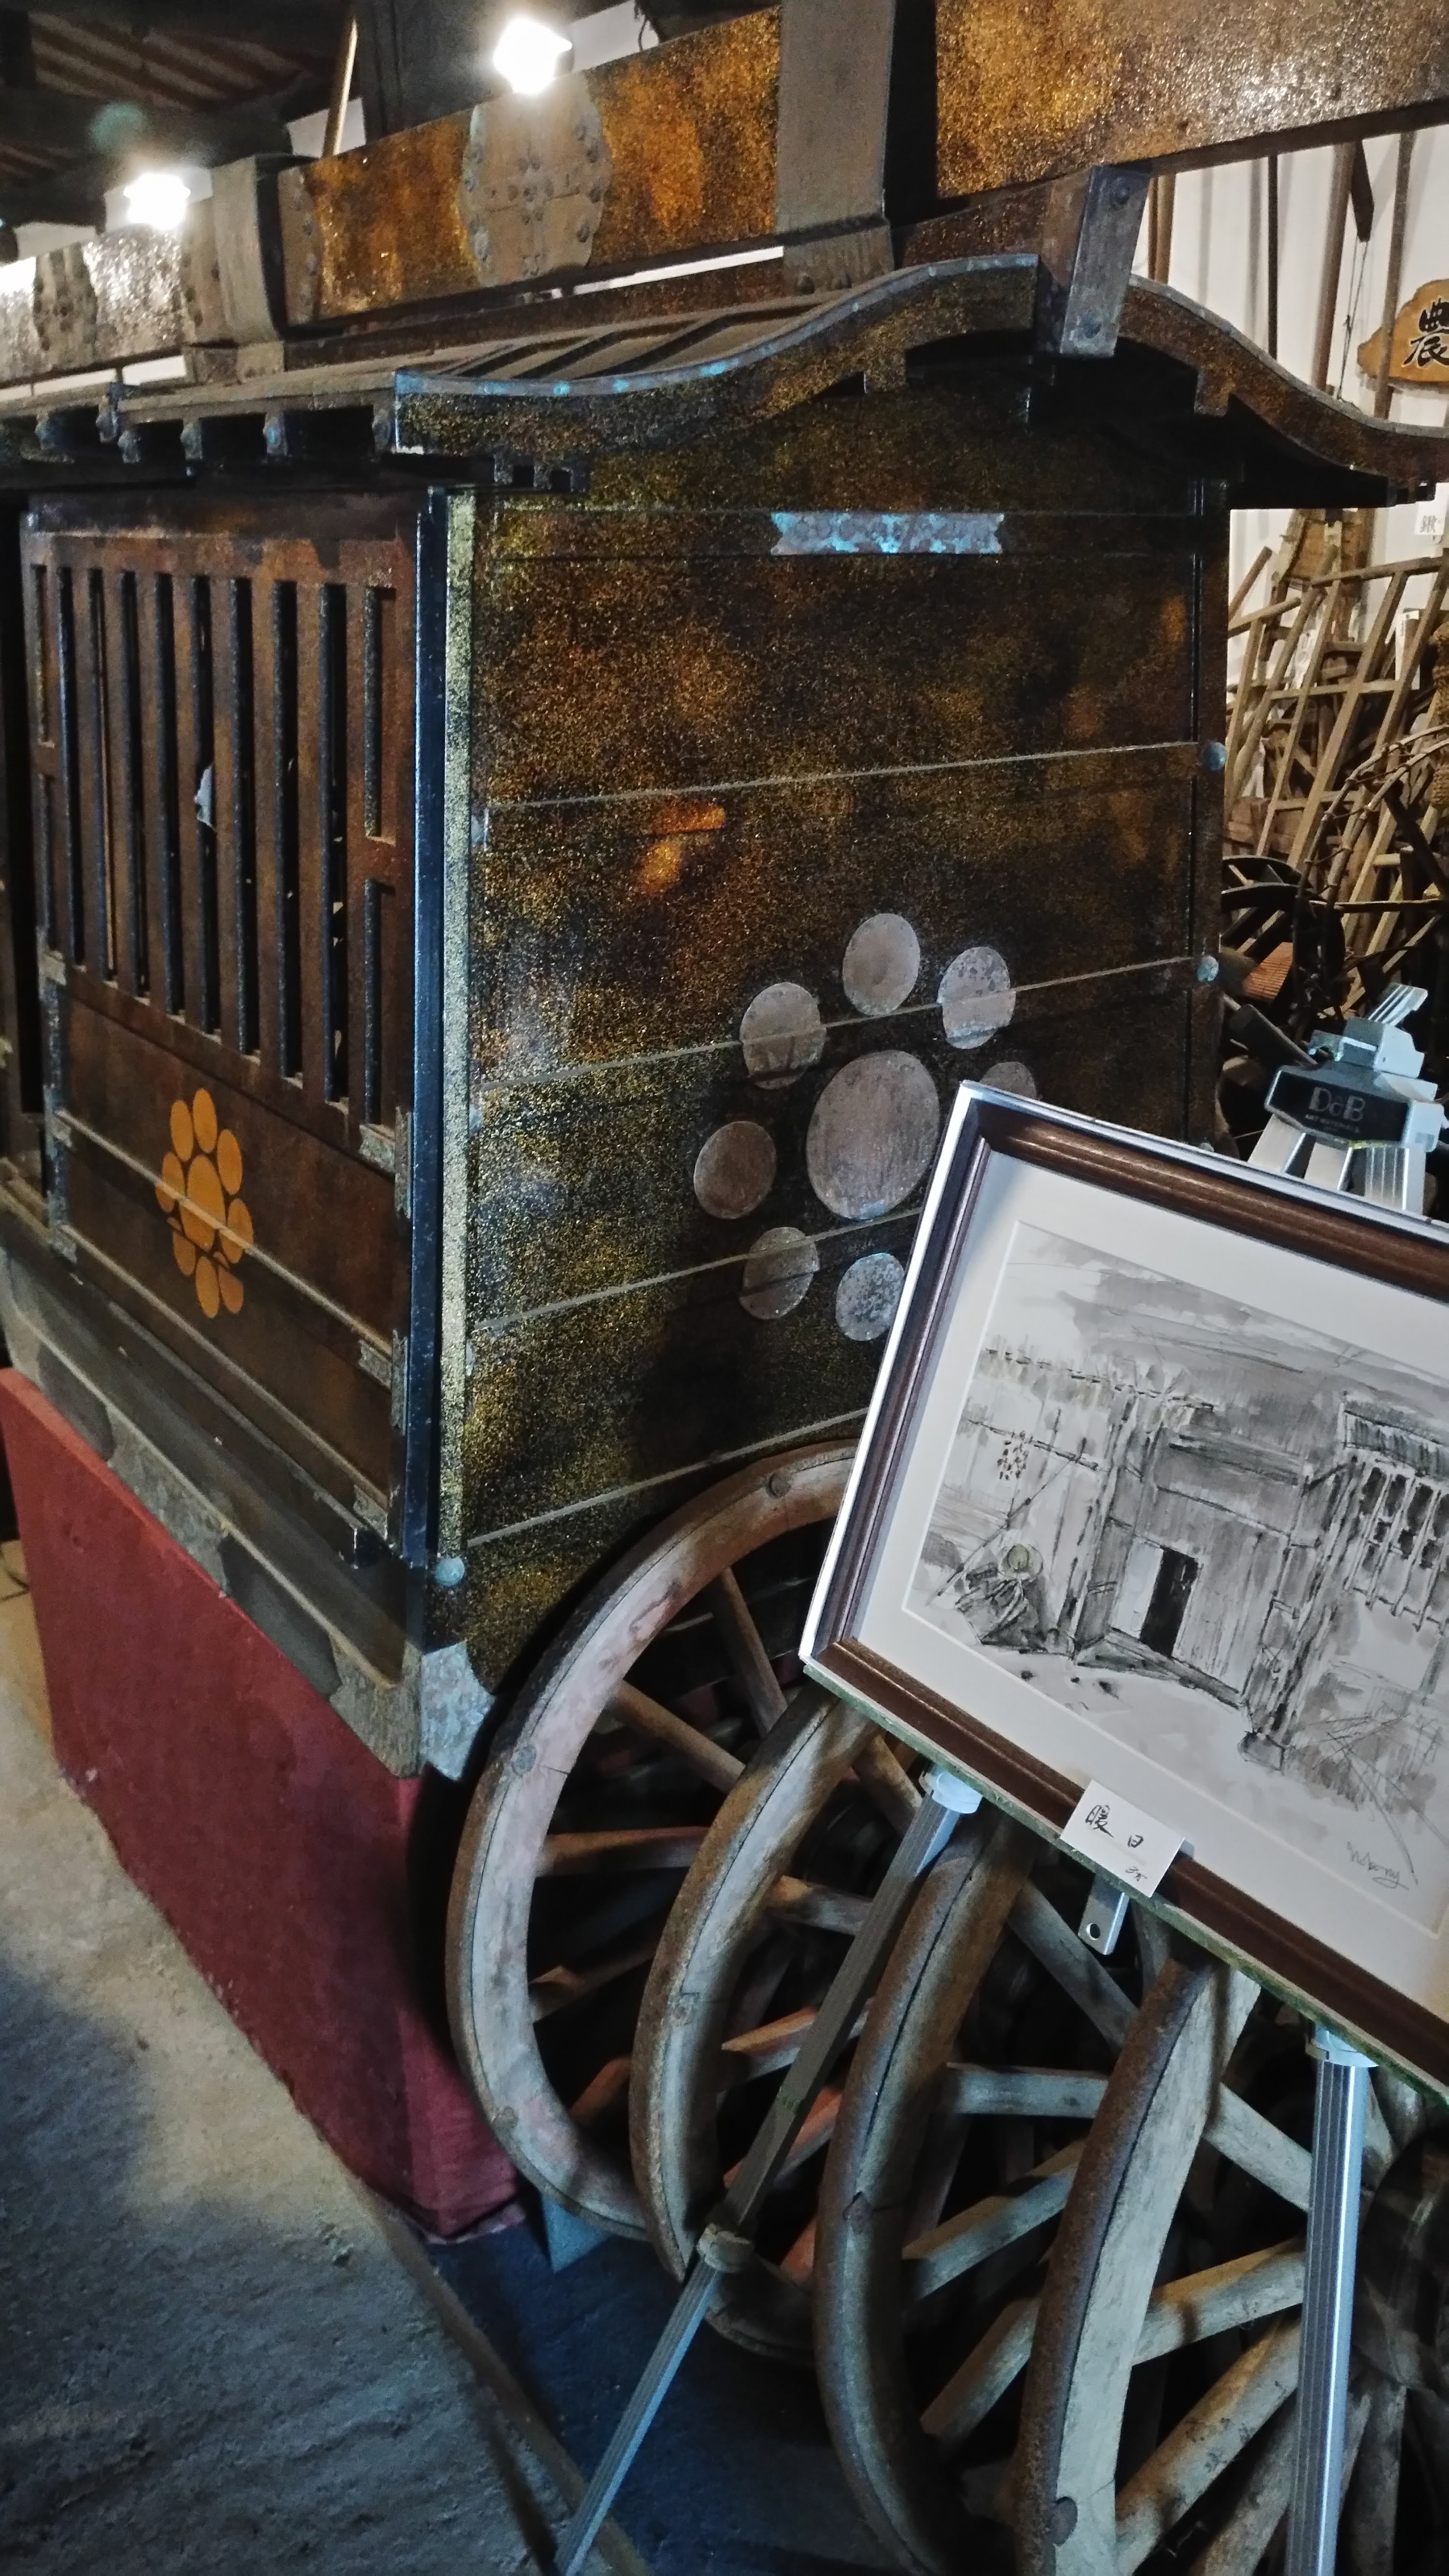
[(725, 2242), (1340, 2100)]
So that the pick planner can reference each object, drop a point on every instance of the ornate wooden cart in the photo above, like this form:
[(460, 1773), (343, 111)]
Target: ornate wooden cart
[(524, 819)]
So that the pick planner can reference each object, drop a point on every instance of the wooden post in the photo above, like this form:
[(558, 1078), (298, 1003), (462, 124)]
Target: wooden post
[(1332, 262), (1274, 256), (1383, 391)]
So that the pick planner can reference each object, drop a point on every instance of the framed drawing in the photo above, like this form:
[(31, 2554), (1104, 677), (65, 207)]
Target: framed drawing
[(1154, 1492)]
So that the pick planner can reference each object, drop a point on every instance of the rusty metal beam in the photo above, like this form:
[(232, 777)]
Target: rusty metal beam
[(1033, 89)]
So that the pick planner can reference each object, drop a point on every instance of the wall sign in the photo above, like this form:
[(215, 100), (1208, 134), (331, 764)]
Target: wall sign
[(1419, 354)]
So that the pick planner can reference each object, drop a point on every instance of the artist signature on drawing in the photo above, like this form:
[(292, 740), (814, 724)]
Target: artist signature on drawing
[(1382, 1874)]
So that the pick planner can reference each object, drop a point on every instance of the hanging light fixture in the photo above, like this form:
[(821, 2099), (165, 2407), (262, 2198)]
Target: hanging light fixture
[(159, 198), (528, 53)]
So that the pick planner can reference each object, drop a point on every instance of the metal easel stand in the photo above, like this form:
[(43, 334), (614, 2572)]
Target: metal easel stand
[(725, 2242), (1340, 2100), (1355, 1119)]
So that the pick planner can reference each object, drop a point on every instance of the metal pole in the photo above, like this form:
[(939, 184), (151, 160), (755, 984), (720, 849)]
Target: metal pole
[(1340, 2100), (724, 2244)]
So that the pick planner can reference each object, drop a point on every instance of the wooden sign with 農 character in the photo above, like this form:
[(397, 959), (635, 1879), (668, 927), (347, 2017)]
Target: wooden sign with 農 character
[(1419, 341)]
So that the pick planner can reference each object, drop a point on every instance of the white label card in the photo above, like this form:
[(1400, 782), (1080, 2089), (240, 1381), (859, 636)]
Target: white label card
[(1116, 1837)]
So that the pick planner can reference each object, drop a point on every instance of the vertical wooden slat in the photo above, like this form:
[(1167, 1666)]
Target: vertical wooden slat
[(312, 791), (161, 926), (266, 717), (193, 951), (396, 612), (361, 901), (90, 769), (226, 810), (127, 888), (71, 726), (41, 665), (336, 841)]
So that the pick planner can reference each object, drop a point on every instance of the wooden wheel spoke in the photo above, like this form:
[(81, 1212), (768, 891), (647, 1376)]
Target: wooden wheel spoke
[(1208, 2438), (761, 2052), (1248, 2140), (634, 1708), (802, 1900), (1055, 1947), (1239, 2293), (745, 1648), (1021, 2092), (603, 2091), (984, 2376), (631, 1847), (1248, 2532), (1262, 2504), (557, 1988), (989, 2225), (798, 2263), (886, 1782), (986, 2492), (816, 2131), (1367, 2542), (542, 1919)]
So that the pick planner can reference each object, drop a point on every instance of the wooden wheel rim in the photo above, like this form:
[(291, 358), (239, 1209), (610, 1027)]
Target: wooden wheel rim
[(947, 1945), (721, 1905), (513, 1804), (1105, 2311)]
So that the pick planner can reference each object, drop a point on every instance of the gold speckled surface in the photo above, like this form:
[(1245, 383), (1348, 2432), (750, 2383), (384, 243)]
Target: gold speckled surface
[(699, 765), (691, 129), (1030, 89)]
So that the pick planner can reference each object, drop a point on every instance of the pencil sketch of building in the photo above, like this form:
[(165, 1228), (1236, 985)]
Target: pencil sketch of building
[(1141, 1485)]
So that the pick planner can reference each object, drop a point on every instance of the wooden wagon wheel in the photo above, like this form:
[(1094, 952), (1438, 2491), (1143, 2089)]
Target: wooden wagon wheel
[(1157, 2426), (780, 1884), (595, 1800), (985, 2052)]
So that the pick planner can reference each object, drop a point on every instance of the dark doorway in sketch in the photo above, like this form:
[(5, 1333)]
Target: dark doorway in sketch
[(1167, 1608)]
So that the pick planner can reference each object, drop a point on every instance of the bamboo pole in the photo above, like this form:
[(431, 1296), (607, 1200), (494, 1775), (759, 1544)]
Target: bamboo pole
[(342, 71), (1161, 205)]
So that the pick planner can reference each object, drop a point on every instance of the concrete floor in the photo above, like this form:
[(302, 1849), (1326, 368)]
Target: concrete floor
[(211, 2356)]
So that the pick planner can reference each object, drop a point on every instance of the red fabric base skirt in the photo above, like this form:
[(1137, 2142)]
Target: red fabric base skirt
[(304, 1881)]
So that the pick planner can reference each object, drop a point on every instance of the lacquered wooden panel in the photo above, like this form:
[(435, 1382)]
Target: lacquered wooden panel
[(640, 675), (630, 925), (318, 1211)]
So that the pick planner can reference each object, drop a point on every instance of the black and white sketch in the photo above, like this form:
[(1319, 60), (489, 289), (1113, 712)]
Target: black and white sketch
[(1222, 1538)]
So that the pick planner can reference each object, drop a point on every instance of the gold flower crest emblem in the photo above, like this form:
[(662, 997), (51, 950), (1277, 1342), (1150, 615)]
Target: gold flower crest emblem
[(197, 1193)]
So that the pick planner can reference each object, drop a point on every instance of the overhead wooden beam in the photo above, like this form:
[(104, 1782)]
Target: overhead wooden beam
[(689, 129), (53, 120), (1028, 90), (297, 26), (1032, 89)]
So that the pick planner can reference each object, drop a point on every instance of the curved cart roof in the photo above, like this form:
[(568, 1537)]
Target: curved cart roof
[(537, 405)]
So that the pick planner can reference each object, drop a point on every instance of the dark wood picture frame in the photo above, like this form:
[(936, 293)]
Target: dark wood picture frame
[(1404, 1254)]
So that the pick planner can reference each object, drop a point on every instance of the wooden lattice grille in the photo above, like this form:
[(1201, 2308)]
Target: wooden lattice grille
[(222, 735)]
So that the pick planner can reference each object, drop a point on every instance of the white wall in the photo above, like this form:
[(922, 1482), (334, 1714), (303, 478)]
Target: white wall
[(1219, 257)]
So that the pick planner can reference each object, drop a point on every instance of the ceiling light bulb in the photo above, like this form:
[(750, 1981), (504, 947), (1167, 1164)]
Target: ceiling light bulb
[(528, 54), (158, 197)]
